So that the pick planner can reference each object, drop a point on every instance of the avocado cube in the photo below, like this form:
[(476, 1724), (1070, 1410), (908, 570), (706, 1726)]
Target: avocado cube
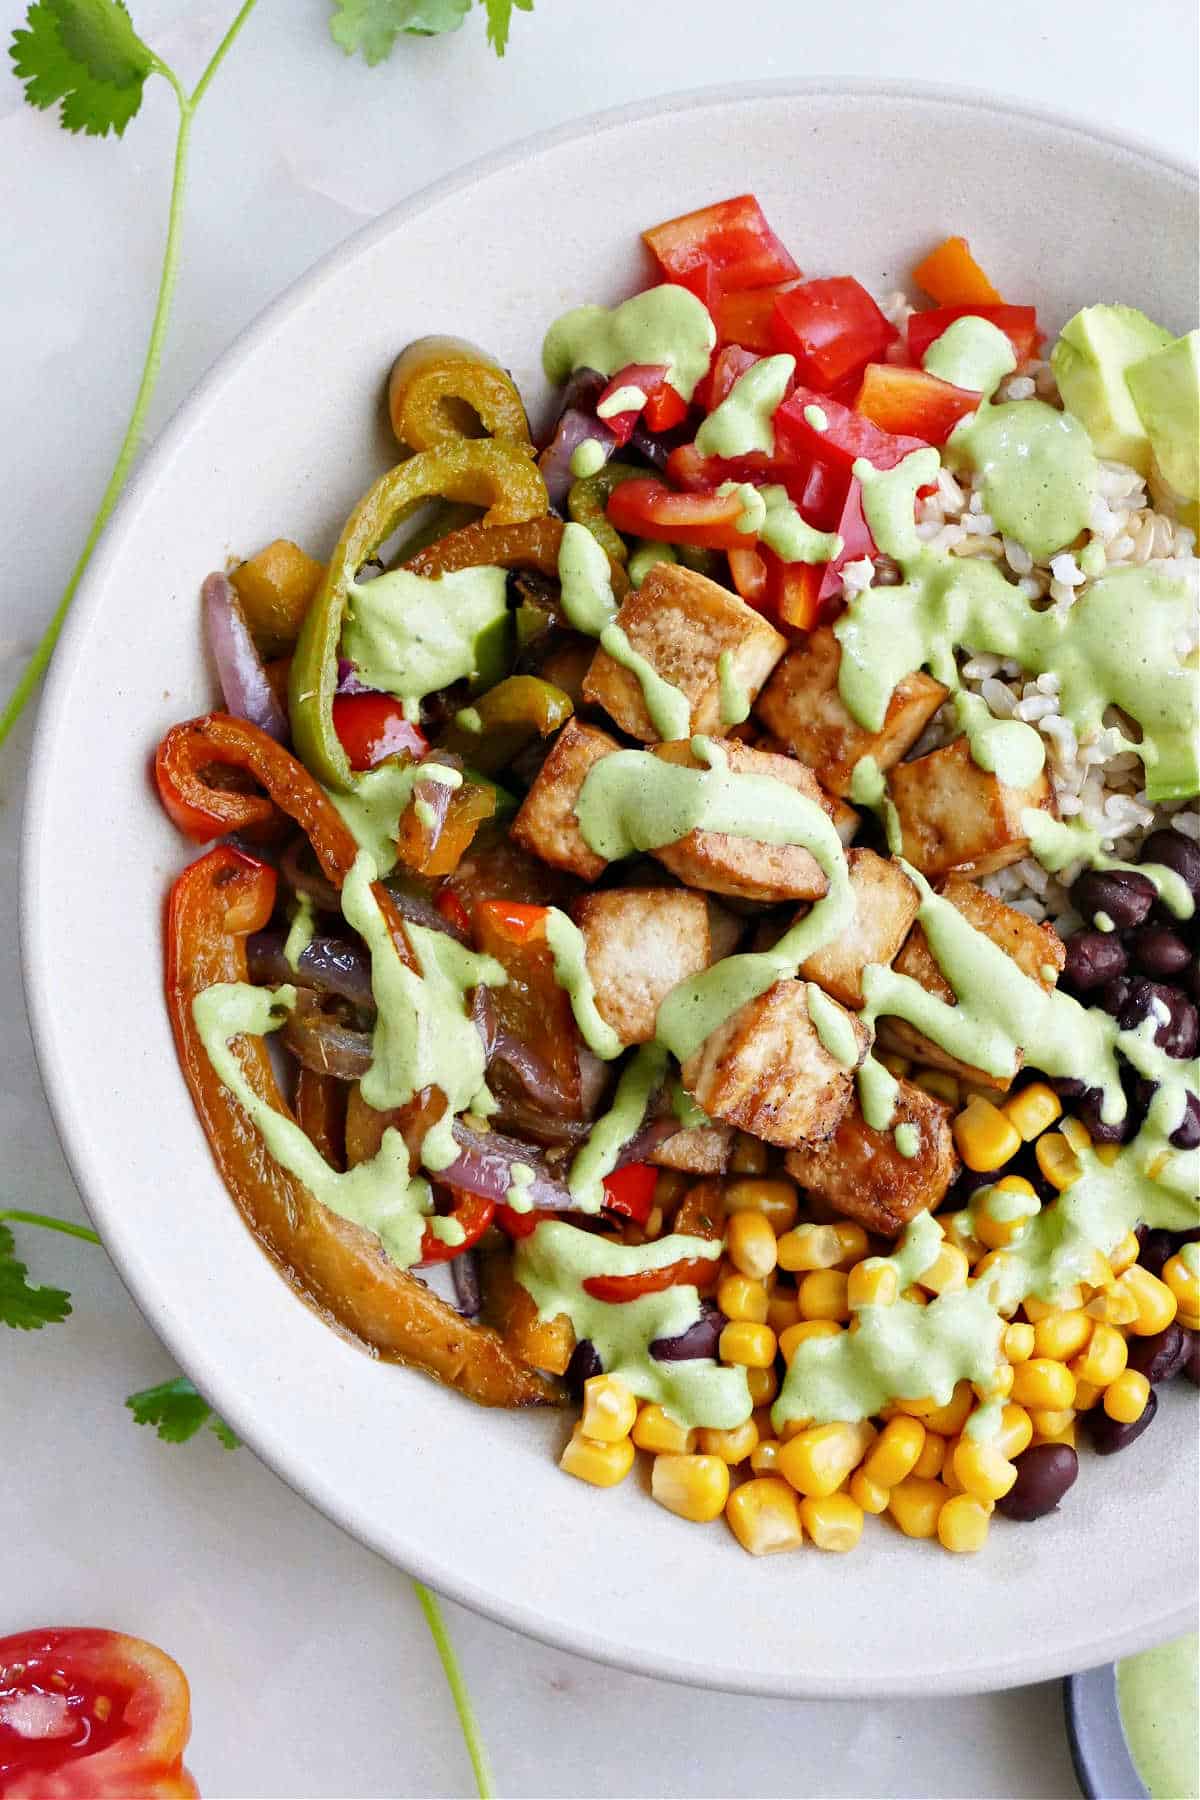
[(1166, 391), (1090, 360)]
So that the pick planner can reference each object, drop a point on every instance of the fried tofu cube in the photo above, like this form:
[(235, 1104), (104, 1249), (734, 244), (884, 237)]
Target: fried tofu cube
[(725, 930), (860, 1173), (699, 1150), (682, 623), (955, 815), (546, 823), (802, 706), (1037, 950), (641, 942), (845, 820), (766, 1070), (742, 866), (885, 906)]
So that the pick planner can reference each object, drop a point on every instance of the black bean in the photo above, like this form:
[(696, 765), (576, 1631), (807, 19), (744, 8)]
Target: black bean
[(1115, 994), (1179, 1032), (585, 1362), (1109, 1435), (1043, 1476), (1159, 951), (1176, 852), (1157, 1249), (1161, 1356), (700, 1339), (1124, 896), (1093, 957), (1186, 1135), (1192, 979), (1090, 1110), (1191, 1367)]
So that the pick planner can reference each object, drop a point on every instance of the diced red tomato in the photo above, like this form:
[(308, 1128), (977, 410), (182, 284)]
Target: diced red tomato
[(820, 492), (846, 437), (951, 276), (908, 401), (649, 509), (91, 1713), (629, 1191), (452, 909), (727, 366), (1018, 323), (665, 408), (749, 572), (700, 474), (731, 238), (793, 590), (833, 328), (857, 542), (690, 1271), (745, 318), (473, 1212), (372, 726), (518, 1224)]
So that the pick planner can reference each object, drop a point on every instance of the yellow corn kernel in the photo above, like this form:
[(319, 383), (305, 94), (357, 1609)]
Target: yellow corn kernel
[(957, 1226), (732, 1446), (1089, 1393), (997, 1263), (741, 1298), (1107, 1154), (997, 1386), (854, 1241), (1033, 1110), (1057, 1161), (764, 1458), (1068, 1299), (1179, 1273), (962, 1524), (1125, 1398), (941, 1084), (749, 1155), (872, 1283), (1051, 1422), (764, 1517), (822, 1295), (1002, 1212), (1040, 1382), (1065, 1435), (983, 1470), (986, 1140), (832, 1521), (694, 1487), (949, 1479), (810, 1247), (916, 1505), (799, 1333), (1015, 1433), (949, 1420), (1116, 1306), (763, 1385), (782, 1310), (894, 1063), (1155, 1301), (1063, 1335), (1123, 1255), (867, 1493), (656, 1430), (933, 1455), (818, 1460), (792, 1428), (750, 1244), (1076, 1134), (609, 1409), (601, 1464), (915, 1296), (895, 1451), (774, 1200), (947, 1272), (753, 1346), (1017, 1342)]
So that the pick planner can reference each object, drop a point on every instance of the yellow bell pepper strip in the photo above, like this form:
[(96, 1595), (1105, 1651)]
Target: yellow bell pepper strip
[(509, 716), (532, 545), (438, 824), (497, 476), (587, 501), (443, 388), (337, 1266)]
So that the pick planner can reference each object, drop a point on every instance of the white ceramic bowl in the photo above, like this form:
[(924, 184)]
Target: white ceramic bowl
[(280, 438)]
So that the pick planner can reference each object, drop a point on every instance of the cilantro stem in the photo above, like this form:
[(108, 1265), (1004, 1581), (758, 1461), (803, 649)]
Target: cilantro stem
[(38, 662), (476, 1749), (49, 1224)]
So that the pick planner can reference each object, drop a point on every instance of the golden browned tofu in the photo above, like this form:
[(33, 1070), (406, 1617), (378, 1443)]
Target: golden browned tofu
[(546, 823), (766, 1070), (955, 815), (802, 706), (742, 866), (682, 623), (725, 931), (886, 904), (641, 942), (700, 1150), (860, 1173), (1037, 951)]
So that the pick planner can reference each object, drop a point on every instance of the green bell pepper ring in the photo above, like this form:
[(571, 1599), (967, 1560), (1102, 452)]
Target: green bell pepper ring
[(509, 716)]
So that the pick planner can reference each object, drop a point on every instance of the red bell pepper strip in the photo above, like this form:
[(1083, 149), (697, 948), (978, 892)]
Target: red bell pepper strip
[(692, 1271), (745, 319), (727, 366), (1018, 323), (372, 727), (857, 542), (792, 591), (846, 437), (701, 474), (731, 238), (749, 572), (951, 276), (649, 509), (911, 402), (512, 920), (665, 408), (629, 1191), (649, 378), (833, 328), (474, 1213)]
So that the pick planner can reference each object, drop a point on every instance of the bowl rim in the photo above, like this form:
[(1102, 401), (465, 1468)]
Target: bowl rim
[(39, 998)]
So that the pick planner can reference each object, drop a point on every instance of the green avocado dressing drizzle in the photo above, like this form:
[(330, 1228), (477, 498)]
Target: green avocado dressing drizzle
[(569, 950), (1057, 843), (735, 700), (371, 811), (411, 635), (301, 931), (640, 1079), (971, 353), (742, 424), (666, 324), (790, 535), (591, 607)]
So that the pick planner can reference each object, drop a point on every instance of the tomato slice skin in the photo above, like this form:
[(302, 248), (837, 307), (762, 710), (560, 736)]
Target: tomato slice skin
[(1018, 323), (833, 328), (910, 402), (692, 1271), (650, 509), (372, 727), (474, 1212), (731, 239), (110, 1709)]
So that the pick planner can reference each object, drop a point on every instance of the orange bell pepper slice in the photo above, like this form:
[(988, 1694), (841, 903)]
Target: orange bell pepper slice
[(951, 276)]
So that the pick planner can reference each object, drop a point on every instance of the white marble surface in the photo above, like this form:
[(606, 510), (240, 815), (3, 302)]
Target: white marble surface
[(312, 1674)]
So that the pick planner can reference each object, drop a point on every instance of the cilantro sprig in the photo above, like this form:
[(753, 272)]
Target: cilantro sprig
[(177, 1412), (371, 27)]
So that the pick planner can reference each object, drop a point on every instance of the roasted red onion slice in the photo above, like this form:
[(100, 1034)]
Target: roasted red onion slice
[(348, 681), (330, 965), (323, 1042), (484, 1166), (576, 422), (468, 1290), (298, 867), (248, 694)]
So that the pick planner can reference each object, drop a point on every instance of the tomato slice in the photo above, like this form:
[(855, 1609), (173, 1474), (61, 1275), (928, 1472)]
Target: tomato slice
[(746, 319), (474, 1213), (846, 436), (373, 726), (857, 542), (1018, 323), (87, 1713), (692, 1271), (951, 276), (649, 509), (910, 401), (833, 328), (731, 239)]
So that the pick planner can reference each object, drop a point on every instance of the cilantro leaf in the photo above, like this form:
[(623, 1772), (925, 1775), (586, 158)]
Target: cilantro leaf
[(23, 1306), (177, 1412), (372, 26), (86, 54), (499, 21)]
